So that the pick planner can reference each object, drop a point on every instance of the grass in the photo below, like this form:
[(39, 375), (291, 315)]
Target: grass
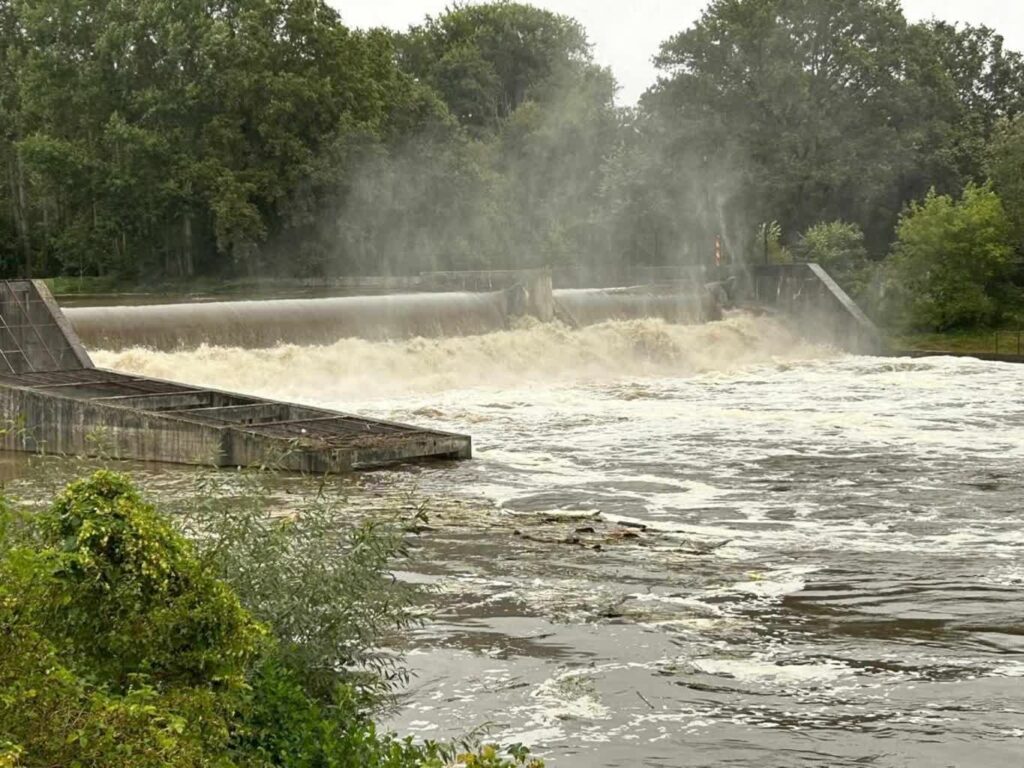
[(110, 289), (985, 341), (72, 286), (266, 287)]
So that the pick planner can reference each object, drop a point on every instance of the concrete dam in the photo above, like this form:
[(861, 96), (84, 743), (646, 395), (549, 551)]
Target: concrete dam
[(261, 324), (56, 400)]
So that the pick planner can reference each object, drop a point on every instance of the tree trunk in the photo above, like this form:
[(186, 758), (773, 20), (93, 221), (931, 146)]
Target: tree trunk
[(19, 207), (189, 262)]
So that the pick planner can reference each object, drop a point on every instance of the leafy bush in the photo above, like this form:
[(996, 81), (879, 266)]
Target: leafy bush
[(132, 598), (120, 649), (839, 248), (1004, 164), (769, 244), (124, 647), (321, 582), (951, 262)]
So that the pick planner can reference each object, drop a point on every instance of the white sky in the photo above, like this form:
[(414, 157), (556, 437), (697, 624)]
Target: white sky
[(627, 34)]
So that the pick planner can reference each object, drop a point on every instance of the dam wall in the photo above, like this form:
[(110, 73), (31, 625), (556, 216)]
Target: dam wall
[(261, 324), (34, 335), (54, 400), (459, 304), (463, 304)]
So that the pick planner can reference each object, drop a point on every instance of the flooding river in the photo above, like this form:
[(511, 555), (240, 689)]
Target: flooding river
[(705, 546)]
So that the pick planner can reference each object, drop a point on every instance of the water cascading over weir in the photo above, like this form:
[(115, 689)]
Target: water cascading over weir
[(55, 400), (447, 304)]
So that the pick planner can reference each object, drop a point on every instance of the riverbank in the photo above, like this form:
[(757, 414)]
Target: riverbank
[(988, 344)]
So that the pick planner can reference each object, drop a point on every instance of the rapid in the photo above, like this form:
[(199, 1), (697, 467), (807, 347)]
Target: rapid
[(702, 545)]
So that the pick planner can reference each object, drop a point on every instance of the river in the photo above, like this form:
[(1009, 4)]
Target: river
[(706, 546)]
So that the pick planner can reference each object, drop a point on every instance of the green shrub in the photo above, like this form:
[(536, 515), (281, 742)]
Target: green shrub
[(951, 263), (122, 646), (839, 248), (119, 649), (319, 580), (132, 597)]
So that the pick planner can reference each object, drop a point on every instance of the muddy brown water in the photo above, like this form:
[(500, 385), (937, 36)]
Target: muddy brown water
[(698, 547)]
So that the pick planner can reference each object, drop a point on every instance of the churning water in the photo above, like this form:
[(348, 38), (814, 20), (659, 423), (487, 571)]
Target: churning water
[(706, 546)]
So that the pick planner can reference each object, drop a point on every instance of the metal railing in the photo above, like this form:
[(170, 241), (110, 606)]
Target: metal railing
[(1007, 342)]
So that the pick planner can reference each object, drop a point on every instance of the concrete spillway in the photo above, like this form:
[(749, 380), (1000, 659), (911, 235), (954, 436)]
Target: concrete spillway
[(259, 324), (468, 312), (54, 400), (485, 302)]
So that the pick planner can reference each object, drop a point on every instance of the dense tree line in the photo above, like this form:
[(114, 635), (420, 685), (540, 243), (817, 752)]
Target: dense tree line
[(148, 139)]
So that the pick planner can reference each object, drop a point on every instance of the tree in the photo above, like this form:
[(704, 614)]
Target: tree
[(951, 262), (836, 109), (1004, 163), (525, 171), (839, 248), (487, 60), (156, 138), (151, 139)]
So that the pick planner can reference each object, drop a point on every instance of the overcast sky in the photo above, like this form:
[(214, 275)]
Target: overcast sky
[(626, 33)]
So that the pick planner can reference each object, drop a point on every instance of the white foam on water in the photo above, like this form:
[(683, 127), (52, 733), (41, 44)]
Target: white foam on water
[(570, 696), (770, 582), (760, 669), (360, 370), (880, 491), (1006, 575), (567, 699)]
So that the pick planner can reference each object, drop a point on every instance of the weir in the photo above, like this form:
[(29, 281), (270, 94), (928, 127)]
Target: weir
[(451, 304), (475, 303), (56, 401)]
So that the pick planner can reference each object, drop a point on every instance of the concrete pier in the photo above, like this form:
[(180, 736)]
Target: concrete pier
[(54, 400)]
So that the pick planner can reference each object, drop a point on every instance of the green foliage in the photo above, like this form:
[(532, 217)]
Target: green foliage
[(284, 727), (832, 110), (154, 141), (123, 647), (1005, 167), (350, 607), (175, 138), (839, 248), (133, 598), (951, 262), (488, 60), (769, 242), (120, 649)]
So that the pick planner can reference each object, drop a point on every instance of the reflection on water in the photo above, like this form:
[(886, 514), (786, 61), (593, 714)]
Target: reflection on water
[(772, 561)]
